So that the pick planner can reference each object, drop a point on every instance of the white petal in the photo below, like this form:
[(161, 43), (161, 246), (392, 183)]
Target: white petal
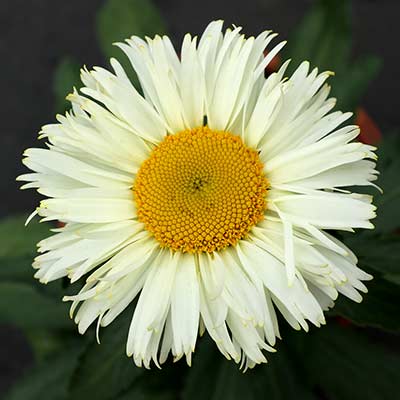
[(87, 210), (185, 304), (327, 210), (153, 305)]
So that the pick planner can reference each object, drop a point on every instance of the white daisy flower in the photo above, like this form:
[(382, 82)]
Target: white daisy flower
[(206, 199)]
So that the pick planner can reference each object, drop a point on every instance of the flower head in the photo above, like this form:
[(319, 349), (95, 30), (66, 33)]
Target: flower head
[(206, 198)]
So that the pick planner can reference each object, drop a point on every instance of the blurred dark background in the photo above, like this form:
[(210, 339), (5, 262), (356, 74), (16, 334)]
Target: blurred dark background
[(36, 34)]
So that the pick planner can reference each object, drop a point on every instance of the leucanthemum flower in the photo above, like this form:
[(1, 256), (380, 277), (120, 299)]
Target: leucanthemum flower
[(206, 199)]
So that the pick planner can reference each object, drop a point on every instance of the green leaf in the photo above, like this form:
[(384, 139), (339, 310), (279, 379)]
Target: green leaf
[(45, 342), (388, 213), (324, 39), (138, 393), (34, 307), (105, 371), (66, 76), (27, 307), (19, 247), (379, 308), (213, 377), (118, 20), (380, 253), (349, 86), (202, 376), (394, 278), (17, 268), (48, 380), (18, 239), (345, 364)]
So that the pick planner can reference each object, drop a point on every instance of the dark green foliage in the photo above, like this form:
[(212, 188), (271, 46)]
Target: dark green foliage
[(33, 305), (118, 20), (19, 240), (17, 252), (137, 393), (324, 39), (380, 307), (212, 377), (24, 305), (104, 369), (49, 379), (380, 253), (66, 77), (345, 363), (333, 362), (388, 218), (350, 84)]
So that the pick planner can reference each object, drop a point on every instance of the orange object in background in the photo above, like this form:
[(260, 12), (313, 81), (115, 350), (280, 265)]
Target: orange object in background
[(343, 321), (274, 65), (370, 132)]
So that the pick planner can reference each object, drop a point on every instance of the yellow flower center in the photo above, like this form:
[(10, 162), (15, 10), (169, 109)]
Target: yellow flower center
[(200, 190)]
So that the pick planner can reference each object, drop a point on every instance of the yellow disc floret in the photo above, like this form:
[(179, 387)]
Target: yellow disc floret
[(200, 190)]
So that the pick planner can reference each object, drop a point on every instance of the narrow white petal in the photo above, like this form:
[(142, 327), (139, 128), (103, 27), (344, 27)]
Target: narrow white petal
[(185, 304)]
